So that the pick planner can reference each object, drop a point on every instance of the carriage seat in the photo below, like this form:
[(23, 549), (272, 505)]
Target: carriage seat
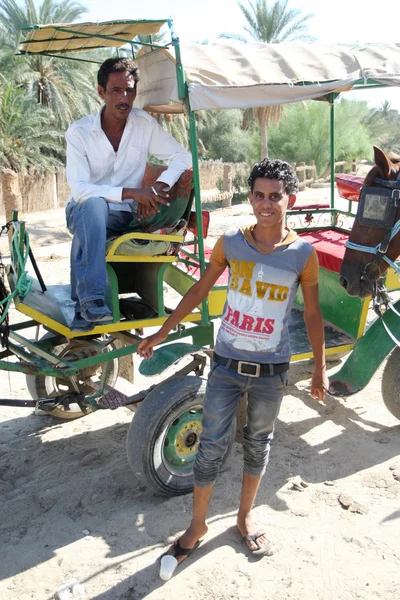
[(153, 238), (329, 245)]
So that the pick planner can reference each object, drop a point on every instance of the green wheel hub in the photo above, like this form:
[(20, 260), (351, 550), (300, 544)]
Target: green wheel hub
[(182, 439)]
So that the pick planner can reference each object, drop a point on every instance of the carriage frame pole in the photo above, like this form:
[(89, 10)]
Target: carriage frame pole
[(184, 95), (332, 147)]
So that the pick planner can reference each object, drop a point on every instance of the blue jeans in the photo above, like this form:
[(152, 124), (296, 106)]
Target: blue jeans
[(223, 392), (91, 222)]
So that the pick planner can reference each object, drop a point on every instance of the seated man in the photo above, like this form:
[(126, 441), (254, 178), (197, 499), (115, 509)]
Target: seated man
[(106, 160)]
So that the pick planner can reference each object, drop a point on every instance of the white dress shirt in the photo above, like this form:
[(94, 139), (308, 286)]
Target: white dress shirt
[(94, 169)]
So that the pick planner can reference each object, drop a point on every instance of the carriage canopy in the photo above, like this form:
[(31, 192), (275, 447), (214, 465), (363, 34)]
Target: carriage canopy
[(228, 75)]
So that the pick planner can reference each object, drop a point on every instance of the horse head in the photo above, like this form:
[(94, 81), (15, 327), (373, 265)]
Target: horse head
[(373, 228)]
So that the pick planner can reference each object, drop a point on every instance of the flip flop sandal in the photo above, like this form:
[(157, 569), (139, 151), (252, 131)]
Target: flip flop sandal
[(179, 551), (265, 550), (170, 563)]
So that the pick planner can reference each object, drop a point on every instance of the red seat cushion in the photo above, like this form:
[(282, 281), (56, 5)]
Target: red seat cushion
[(329, 245), (349, 186)]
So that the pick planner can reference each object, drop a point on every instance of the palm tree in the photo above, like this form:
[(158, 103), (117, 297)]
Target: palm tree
[(271, 22), (66, 87), (30, 141)]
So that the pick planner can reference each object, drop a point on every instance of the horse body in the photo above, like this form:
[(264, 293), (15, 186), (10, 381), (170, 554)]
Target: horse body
[(361, 269)]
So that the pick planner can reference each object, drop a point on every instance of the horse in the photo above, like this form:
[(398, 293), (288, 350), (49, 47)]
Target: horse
[(374, 241)]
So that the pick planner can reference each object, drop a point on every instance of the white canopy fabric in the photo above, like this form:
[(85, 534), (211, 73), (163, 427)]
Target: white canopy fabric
[(74, 37), (229, 75), (239, 75)]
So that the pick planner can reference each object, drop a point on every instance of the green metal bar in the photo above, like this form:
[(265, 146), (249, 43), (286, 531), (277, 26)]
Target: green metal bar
[(94, 35), (368, 353), (125, 22), (197, 197), (95, 62), (320, 211), (21, 245), (180, 74), (184, 95), (31, 369), (160, 290), (332, 146), (98, 359), (32, 347), (23, 325)]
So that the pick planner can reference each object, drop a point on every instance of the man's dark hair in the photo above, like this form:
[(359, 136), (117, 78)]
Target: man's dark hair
[(116, 65), (273, 168)]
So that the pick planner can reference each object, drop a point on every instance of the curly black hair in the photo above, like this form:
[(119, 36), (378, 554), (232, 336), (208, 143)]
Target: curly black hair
[(273, 168), (116, 65)]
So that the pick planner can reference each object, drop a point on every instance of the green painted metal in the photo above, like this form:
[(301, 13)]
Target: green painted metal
[(201, 334), (184, 95), (180, 281), (20, 247), (332, 146), (182, 439), (37, 350), (112, 298), (85, 60), (368, 353), (338, 308), (31, 369), (166, 356), (160, 289), (95, 35), (197, 194)]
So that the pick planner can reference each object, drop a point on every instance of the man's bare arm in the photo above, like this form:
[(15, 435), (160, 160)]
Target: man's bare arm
[(315, 332)]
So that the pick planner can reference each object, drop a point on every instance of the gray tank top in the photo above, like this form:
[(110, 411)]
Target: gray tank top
[(261, 290)]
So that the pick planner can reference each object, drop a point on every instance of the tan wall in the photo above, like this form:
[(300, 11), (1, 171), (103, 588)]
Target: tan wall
[(213, 170), (44, 192), (51, 191)]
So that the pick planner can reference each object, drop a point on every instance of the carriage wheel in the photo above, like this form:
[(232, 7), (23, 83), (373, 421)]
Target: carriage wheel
[(163, 438), (391, 383), (47, 386)]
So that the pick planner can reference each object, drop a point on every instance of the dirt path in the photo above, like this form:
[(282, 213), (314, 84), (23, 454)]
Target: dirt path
[(71, 509)]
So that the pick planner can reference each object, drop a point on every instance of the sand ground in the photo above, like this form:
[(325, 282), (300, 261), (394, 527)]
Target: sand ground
[(72, 510)]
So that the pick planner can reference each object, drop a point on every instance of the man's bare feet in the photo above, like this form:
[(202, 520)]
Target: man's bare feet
[(188, 539), (247, 527)]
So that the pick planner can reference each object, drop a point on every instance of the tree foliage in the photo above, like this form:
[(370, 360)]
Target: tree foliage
[(304, 133), (271, 22), (29, 139), (66, 87), (223, 137)]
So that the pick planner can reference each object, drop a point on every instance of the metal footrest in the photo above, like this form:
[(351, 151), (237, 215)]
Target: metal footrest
[(113, 400)]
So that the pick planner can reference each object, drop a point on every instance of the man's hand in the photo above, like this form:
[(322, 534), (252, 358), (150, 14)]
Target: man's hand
[(319, 384), (148, 199), (145, 348)]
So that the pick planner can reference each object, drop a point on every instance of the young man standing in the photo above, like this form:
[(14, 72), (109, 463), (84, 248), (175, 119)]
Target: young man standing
[(266, 262), (106, 160)]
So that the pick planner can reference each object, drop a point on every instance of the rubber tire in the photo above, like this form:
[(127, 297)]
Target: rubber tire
[(37, 386), (146, 433), (391, 383)]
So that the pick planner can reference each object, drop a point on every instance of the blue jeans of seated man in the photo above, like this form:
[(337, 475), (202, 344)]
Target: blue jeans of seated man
[(224, 389), (91, 222)]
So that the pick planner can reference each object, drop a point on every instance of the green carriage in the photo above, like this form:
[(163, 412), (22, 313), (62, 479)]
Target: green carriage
[(70, 374)]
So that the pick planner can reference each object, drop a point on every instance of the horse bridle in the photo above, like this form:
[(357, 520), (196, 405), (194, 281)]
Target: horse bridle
[(390, 194)]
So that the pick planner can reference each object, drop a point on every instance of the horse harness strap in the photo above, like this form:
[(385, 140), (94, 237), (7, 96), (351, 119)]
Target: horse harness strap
[(371, 203)]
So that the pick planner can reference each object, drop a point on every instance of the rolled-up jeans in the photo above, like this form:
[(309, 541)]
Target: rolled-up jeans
[(91, 222), (223, 392)]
